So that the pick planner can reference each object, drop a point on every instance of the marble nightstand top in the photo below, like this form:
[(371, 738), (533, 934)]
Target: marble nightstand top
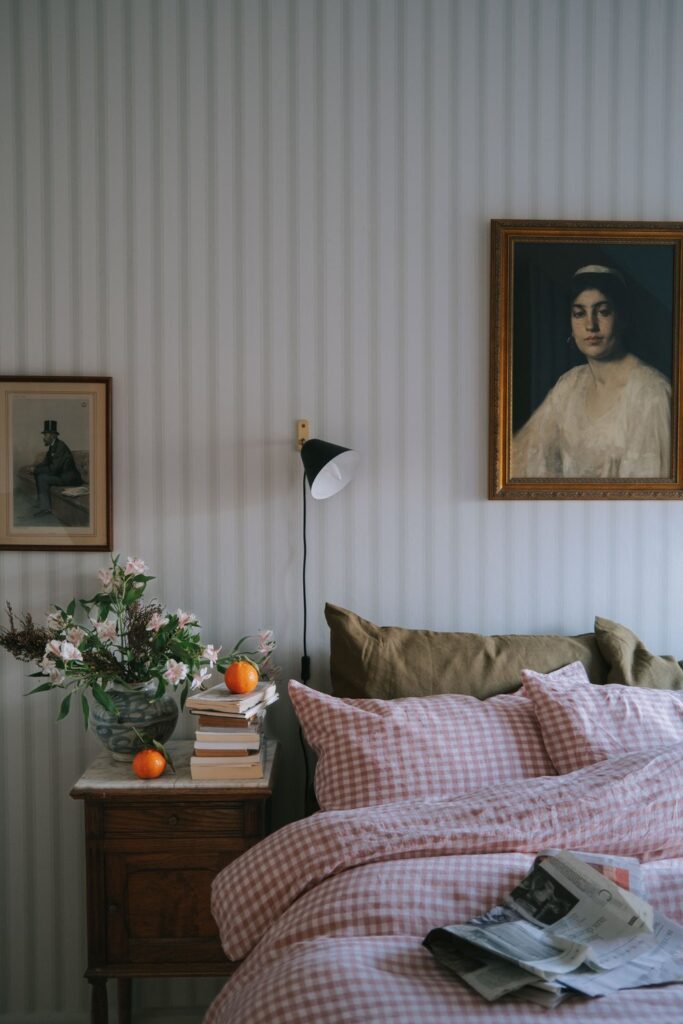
[(108, 777)]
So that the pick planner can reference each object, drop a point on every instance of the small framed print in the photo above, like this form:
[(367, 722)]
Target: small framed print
[(586, 360), (55, 464)]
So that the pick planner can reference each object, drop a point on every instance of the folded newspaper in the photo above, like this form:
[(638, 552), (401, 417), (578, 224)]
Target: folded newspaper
[(577, 923)]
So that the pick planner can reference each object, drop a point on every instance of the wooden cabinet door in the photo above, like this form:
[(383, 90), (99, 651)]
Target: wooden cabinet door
[(158, 907)]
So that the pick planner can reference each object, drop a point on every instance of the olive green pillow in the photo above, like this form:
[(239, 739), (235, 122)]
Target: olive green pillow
[(388, 661), (631, 663)]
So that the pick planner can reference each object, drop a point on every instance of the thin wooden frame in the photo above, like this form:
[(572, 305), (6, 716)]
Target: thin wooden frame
[(532, 263), (57, 508)]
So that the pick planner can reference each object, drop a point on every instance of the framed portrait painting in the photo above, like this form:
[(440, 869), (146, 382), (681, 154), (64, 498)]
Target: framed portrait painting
[(55, 464), (586, 360)]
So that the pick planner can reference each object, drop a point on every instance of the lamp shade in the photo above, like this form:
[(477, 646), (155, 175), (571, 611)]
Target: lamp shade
[(328, 467)]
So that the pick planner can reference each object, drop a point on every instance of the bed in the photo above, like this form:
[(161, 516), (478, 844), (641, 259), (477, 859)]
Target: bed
[(432, 808)]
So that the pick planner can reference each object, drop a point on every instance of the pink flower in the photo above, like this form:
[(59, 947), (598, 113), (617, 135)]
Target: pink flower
[(135, 567), (55, 620), (156, 621), (106, 579), (53, 647), (56, 676), (265, 640), (199, 677), (186, 619), (76, 635), (211, 654), (106, 630), (175, 671), (69, 652)]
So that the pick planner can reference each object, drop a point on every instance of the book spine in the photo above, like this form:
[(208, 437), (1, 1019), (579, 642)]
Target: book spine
[(236, 736), (199, 772), (224, 721), (222, 752)]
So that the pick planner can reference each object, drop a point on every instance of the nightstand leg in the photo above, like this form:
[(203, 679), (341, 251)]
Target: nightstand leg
[(124, 993), (99, 1008)]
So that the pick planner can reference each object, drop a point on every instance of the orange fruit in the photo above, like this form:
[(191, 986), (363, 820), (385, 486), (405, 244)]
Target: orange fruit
[(149, 763), (241, 677)]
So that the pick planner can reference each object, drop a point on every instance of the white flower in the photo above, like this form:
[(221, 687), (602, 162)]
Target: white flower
[(107, 580), (53, 647), (55, 620), (175, 671), (156, 621), (106, 630), (76, 635), (211, 654), (265, 640), (47, 664), (135, 567), (186, 619), (68, 652), (57, 676), (199, 677)]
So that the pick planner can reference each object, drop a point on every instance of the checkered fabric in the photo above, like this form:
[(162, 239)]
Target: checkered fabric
[(582, 723), (335, 907), (375, 751)]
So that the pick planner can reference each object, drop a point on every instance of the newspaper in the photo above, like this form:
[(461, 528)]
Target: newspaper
[(577, 923)]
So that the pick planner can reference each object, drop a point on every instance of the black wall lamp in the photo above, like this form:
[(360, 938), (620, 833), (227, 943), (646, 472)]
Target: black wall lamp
[(328, 468)]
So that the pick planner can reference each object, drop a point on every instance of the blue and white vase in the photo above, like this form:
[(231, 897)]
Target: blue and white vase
[(137, 709)]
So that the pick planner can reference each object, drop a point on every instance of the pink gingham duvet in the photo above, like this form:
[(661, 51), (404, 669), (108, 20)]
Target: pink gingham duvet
[(330, 912)]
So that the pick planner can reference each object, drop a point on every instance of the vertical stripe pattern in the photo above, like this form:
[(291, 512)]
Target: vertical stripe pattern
[(252, 211)]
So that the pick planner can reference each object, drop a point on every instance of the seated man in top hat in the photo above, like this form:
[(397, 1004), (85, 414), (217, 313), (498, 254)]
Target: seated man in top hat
[(58, 468)]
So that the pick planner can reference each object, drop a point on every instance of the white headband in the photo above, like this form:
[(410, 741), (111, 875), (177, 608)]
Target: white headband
[(595, 268)]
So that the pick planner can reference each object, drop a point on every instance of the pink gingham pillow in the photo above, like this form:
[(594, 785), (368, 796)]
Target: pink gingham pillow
[(582, 723), (374, 751)]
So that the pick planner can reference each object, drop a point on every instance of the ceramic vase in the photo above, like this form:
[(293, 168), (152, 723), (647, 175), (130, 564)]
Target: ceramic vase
[(137, 709)]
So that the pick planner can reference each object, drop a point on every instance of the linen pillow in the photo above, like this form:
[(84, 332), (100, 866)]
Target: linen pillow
[(388, 661), (582, 724), (375, 751), (630, 661)]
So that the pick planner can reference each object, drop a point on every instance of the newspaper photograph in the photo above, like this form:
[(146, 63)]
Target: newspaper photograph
[(576, 922)]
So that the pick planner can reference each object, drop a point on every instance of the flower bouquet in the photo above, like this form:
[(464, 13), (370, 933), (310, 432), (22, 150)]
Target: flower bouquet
[(122, 645)]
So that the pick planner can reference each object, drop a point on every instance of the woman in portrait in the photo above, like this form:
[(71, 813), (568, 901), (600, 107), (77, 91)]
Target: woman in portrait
[(609, 417)]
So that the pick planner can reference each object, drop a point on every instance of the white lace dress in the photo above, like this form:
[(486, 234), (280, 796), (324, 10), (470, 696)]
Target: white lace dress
[(632, 439)]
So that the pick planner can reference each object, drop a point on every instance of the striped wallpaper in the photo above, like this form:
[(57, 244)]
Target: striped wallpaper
[(249, 211)]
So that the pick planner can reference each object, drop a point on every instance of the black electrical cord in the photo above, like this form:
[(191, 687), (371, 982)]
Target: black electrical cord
[(305, 660)]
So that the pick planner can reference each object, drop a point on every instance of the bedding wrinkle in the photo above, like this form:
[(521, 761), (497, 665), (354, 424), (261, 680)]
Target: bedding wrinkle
[(330, 927), (322, 963), (628, 805)]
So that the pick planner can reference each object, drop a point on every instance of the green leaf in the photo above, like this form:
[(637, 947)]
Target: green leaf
[(103, 698), (41, 688), (64, 708), (164, 752), (71, 608), (161, 688), (183, 695), (85, 707)]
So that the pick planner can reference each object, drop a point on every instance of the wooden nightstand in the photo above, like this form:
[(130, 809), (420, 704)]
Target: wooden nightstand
[(152, 850)]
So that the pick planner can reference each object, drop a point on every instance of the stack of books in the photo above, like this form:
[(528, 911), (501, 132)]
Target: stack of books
[(229, 741)]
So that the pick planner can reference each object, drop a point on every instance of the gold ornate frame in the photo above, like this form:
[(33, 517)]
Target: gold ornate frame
[(81, 516), (541, 249)]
